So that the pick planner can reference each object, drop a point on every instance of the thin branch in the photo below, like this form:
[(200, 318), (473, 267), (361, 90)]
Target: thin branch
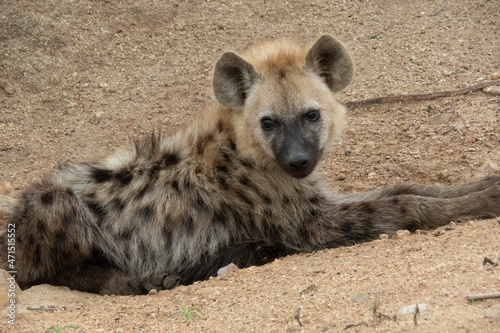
[(417, 312), (297, 316), (482, 296), (420, 97), (440, 8)]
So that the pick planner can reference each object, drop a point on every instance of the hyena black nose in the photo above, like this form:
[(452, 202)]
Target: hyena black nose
[(298, 160)]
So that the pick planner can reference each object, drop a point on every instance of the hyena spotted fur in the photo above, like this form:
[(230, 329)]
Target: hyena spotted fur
[(237, 186)]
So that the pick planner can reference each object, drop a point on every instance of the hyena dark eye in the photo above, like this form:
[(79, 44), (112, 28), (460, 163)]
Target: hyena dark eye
[(267, 124), (312, 115)]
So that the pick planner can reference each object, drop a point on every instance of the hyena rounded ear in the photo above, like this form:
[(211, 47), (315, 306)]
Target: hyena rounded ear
[(233, 78), (329, 59)]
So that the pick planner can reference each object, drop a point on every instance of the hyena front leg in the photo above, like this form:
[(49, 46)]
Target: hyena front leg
[(363, 218), (55, 236)]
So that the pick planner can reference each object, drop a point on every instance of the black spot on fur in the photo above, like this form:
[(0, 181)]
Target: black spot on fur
[(315, 199), (395, 201), (222, 168), (266, 199), (118, 205), (286, 199), (403, 210), (142, 192), (61, 237), (40, 227), (101, 175), (36, 256), (268, 212), (412, 226), (346, 227), (227, 157), (245, 198), (304, 234), (222, 183), (31, 239), (47, 198), (203, 142), (200, 202), (367, 208), (175, 185), (344, 207), (187, 183), (98, 211), (247, 164), (171, 159), (76, 247), (189, 224), (245, 181), (220, 126), (67, 220), (126, 234), (220, 217), (124, 177), (69, 192), (147, 212), (167, 230), (313, 212), (232, 145)]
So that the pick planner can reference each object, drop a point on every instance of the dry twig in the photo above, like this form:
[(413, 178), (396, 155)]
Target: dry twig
[(356, 325), (297, 316), (493, 263), (421, 97), (440, 8), (417, 312), (477, 297)]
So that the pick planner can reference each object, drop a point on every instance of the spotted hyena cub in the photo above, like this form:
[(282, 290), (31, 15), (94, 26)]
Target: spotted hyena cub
[(237, 186)]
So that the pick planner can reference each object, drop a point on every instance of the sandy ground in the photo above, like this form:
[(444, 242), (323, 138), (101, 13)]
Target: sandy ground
[(79, 79)]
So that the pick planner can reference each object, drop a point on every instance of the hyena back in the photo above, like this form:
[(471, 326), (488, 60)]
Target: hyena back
[(239, 185)]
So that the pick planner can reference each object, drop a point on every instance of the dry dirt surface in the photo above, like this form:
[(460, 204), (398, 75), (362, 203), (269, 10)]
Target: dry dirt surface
[(79, 79)]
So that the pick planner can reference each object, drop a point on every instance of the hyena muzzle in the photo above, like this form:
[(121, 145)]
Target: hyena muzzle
[(237, 186)]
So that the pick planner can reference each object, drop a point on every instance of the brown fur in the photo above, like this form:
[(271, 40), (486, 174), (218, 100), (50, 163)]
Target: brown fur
[(226, 189)]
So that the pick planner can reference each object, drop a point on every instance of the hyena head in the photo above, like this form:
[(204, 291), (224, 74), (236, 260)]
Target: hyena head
[(281, 97)]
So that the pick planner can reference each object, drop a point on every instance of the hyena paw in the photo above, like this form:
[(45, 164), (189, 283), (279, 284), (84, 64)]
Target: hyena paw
[(162, 281)]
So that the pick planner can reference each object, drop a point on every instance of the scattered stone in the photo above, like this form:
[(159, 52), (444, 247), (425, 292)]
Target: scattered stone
[(495, 75), (412, 308), (422, 232), (492, 90), (383, 236), (341, 176), (227, 270), (401, 234), (493, 315), (96, 118), (440, 118), (361, 298), (7, 87), (439, 233), (153, 292), (5, 188)]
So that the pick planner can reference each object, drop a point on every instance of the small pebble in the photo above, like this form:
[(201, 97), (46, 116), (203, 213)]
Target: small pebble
[(401, 234), (227, 270), (5, 188)]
